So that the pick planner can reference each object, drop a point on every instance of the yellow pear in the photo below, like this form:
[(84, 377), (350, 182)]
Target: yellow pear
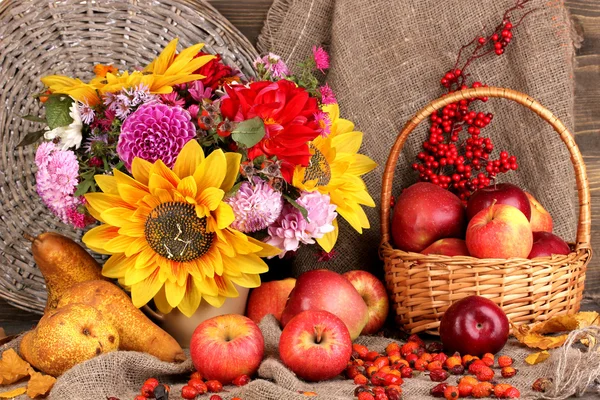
[(63, 263), (68, 336), (136, 331)]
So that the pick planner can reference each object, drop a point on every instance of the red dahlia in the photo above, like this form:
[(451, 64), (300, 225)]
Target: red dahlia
[(289, 116), (215, 71)]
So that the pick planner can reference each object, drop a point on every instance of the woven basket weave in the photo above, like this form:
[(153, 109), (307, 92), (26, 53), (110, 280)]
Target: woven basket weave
[(422, 287), (40, 38)]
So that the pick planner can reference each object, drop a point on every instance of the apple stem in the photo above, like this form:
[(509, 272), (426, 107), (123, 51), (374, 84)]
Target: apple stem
[(491, 210), (319, 333)]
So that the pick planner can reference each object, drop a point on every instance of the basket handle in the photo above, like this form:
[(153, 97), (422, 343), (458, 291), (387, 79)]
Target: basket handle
[(583, 229)]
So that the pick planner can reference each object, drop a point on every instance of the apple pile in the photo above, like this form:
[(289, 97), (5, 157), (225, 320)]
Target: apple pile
[(499, 221)]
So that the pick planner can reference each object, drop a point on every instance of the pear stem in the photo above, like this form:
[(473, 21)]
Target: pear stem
[(27, 236)]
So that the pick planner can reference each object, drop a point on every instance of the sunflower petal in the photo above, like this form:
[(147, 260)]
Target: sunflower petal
[(116, 216), (362, 197), (361, 165), (190, 156), (137, 246), (133, 229), (213, 173), (247, 280), (347, 142), (174, 292), (98, 237), (103, 201), (164, 59), (160, 301), (226, 287), (143, 291), (215, 301), (250, 264), (233, 169), (140, 169), (144, 257), (330, 238), (159, 182), (187, 187), (107, 183), (119, 244), (159, 168), (191, 301), (134, 276), (267, 249), (224, 215), (207, 286)]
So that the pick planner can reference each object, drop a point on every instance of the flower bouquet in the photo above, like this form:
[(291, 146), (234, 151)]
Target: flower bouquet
[(196, 173)]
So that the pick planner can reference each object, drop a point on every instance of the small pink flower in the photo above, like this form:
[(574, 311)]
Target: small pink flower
[(324, 123), (255, 206), (327, 95), (172, 99), (321, 58)]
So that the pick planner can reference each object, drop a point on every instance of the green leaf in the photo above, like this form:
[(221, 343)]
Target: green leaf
[(31, 138), (57, 111), (33, 118), (297, 206), (249, 132), (234, 189)]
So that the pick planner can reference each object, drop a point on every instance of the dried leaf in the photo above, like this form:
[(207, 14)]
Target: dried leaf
[(536, 358), (557, 324), (12, 393), (587, 318), (40, 385), (12, 367)]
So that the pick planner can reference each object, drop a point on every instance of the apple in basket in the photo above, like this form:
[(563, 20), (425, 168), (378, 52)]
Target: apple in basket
[(322, 289), (424, 213), (545, 244), (499, 231), (269, 298), (375, 296), (315, 345), (541, 220), (474, 325), (227, 346), (448, 247), (503, 193)]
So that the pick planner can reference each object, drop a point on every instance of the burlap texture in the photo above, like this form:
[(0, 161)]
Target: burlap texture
[(121, 374), (387, 58)]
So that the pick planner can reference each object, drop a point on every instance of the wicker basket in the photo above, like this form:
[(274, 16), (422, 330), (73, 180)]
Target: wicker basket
[(39, 38), (422, 287)]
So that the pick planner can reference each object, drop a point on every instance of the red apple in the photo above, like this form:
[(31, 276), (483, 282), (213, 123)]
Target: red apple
[(474, 325), (502, 193), (269, 298), (226, 347), (375, 296), (448, 247), (322, 289), (424, 213), (545, 244), (315, 345), (499, 231), (541, 220)]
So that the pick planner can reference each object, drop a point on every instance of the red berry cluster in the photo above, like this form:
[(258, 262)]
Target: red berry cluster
[(463, 166), (196, 386)]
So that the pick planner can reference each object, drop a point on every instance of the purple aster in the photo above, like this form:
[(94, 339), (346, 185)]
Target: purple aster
[(273, 64), (86, 112), (321, 58), (155, 131), (172, 99), (255, 206), (327, 95), (199, 92), (121, 106), (141, 95), (324, 123), (109, 99)]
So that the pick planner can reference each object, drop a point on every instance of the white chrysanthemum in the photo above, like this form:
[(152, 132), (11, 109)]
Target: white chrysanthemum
[(70, 136)]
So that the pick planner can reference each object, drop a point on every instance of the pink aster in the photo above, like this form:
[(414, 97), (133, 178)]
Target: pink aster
[(327, 95), (172, 99), (324, 123), (255, 206), (155, 131), (42, 155), (321, 58), (78, 218)]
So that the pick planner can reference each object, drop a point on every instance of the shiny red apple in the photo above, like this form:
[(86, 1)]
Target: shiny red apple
[(269, 298), (448, 247), (545, 244), (502, 193), (375, 296), (541, 220), (474, 325), (499, 231), (226, 347), (424, 213), (315, 345)]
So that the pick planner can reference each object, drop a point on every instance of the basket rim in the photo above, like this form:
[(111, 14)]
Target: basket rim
[(584, 220)]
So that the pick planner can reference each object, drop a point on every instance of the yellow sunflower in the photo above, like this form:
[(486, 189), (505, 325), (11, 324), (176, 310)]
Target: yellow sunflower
[(335, 169), (167, 70), (168, 231)]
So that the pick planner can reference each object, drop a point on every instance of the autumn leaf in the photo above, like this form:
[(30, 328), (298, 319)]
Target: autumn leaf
[(12, 367), (536, 358), (587, 318), (39, 385), (12, 393), (557, 324)]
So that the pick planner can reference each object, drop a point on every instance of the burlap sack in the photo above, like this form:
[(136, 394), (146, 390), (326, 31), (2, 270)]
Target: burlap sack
[(121, 374), (387, 58)]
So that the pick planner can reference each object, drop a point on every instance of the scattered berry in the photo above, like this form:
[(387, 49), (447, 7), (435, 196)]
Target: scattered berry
[(457, 370), (452, 362), (409, 348), (433, 365), (488, 361), (199, 385), (416, 339), (512, 393), (406, 372), (476, 366), (365, 396), (148, 391), (216, 397), (392, 348), (451, 393), (360, 349), (504, 361), (438, 375), (371, 356), (196, 375), (360, 379), (421, 365), (482, 389), (438, 390), (241, 380), (471, 380), (485, 374), (435, 347), (465, 389), (500, 390), (188, 392), (508, 372), (393, 393), (542, 384), (214, 386), (152, 382)]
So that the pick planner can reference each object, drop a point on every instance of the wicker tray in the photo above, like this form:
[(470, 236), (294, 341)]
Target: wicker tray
[(422, 287), (69, 37)]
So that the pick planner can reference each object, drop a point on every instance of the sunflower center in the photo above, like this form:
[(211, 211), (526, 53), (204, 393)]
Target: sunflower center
[(318, 168), (174, 231)]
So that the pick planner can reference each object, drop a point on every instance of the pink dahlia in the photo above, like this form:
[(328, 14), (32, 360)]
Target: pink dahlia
[(57, 179), (155, 131), (291, 228), (256, 205)]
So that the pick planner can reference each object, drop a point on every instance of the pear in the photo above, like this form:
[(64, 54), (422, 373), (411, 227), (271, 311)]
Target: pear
[(63, 263), (136, 331), (68, 336)]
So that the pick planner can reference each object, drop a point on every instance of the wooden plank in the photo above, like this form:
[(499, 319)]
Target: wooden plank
[(248, 16)]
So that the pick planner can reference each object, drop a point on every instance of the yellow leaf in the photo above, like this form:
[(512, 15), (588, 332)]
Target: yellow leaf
[(12, 367), (557, 324), (40, 385), (12, 393), (536, 358), (587, 318)]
